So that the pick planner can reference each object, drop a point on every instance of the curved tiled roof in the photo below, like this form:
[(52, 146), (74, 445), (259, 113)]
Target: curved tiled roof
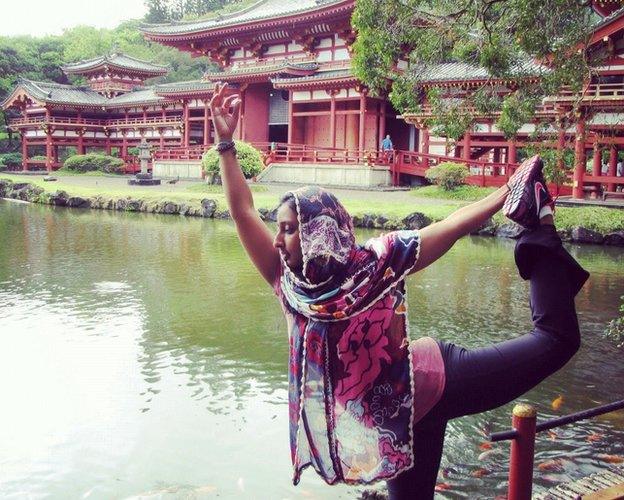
[(336, 74), (182, 87), (460, 71), (279, 67), (264, 9), (56, 93), (121, 61)]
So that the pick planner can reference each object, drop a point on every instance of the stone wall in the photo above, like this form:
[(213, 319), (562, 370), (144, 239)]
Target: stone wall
[(327, 175)]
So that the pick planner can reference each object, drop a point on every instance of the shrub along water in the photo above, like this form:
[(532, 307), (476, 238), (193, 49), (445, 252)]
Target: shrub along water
[(91, 162), (249, 158), (447, 175)]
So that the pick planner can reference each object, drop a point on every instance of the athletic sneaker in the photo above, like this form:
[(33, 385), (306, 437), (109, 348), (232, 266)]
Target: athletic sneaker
[(527, 194)]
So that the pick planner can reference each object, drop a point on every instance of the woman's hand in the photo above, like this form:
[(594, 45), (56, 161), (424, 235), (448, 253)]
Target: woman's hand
[(225, 112)]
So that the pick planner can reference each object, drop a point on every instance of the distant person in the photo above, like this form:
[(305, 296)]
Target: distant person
[(365, 402), (620, 173), (605, 168), (387, 148)]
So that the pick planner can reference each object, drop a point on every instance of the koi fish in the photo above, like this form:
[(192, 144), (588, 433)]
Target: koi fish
[(556, 464), (557, 402), (486, 455), (485, 446), (480, 472), (552, 435), (442, 487), (594, 437), (611, 459)]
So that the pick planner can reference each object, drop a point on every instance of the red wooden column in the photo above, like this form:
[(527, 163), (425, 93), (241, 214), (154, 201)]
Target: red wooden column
[(241, 116), (126, 115), (48, 131), (144, 113), (163, 114), (579, 159), (522, 452), (80, 148), (466, 155), (24, 151), (187, 126), (291, 120), (382, 121), (362, 131), (161, 132), (124, 144), (332, 117), (613, 154), (512, 153), (425, 147), (597, 160), (206, 123)]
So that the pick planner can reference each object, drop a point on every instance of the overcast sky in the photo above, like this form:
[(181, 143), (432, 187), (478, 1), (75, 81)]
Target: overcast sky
[(46, 17)]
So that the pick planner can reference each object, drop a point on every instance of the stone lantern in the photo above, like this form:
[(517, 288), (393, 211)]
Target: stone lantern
[(144, 178)]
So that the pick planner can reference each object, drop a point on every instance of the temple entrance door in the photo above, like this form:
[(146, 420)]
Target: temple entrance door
[(278, 116), (278, 133)]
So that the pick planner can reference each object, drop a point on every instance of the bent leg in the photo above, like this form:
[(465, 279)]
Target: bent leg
[(419, 481), (482, 379)]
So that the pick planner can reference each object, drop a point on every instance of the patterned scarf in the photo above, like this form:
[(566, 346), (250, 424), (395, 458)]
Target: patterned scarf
[(351, 386)]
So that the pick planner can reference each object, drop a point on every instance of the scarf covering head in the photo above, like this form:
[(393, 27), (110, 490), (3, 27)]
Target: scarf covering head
[(350, 375)]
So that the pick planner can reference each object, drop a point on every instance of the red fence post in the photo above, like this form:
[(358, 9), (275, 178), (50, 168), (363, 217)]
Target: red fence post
[(522, 448)]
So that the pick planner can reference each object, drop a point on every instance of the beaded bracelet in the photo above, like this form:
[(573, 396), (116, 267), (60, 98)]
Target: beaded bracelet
[(224, 146)]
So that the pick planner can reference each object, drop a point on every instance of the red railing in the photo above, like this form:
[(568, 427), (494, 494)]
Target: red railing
[(181, 153), (92, 122), (525, 427)]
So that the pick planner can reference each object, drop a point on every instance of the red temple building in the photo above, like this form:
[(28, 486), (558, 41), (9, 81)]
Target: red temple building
[(290, 60)]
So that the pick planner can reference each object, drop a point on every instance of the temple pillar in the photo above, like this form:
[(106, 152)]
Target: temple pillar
[(144, 114), (161, 132), (163, 114), (466, 147), (124, 145), (80, 147), (55, 154), (425, 147), (187, 127), (126, 115), (206, 123), (362, 126), (382, 122), (597, 159), (613, 154), (332, 117), (579, 159), (560, 148), (291, 121), (49, 152), (24, 151), (512, 155)]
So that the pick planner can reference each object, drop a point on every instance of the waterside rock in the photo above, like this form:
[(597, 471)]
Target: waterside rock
[(584, 235), (208, 208), (416, 220), (615, 239), (509, 230), (58, 198), (78, 202)]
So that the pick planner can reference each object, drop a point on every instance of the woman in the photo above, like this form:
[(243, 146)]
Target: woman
[(365, 403)]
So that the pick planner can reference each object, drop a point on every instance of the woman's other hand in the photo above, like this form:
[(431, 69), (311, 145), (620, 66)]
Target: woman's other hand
[(225, 111)]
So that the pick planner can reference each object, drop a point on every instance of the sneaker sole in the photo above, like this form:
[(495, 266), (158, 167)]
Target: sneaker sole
[(514, 206)]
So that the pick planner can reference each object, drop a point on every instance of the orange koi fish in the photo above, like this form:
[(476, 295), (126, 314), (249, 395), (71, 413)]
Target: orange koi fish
[(557, 402)]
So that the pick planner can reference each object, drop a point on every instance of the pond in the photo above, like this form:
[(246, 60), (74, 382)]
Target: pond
[(142, 356)]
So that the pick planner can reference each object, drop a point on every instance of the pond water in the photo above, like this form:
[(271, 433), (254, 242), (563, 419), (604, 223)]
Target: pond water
[(142, 356)]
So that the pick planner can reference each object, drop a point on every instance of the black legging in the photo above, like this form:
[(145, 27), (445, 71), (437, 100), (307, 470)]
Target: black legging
[(478, 380)]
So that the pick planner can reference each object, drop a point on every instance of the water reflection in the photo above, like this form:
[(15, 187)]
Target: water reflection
[(150, 345)]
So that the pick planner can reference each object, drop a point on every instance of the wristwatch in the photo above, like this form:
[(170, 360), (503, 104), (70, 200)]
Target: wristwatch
[(224, 146)]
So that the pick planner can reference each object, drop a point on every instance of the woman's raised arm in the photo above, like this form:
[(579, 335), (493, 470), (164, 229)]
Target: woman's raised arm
[(252, 231)]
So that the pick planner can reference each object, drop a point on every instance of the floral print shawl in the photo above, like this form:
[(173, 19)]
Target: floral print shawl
[(351, 382)]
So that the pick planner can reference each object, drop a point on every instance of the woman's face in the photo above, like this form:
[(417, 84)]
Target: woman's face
[(287, 238)]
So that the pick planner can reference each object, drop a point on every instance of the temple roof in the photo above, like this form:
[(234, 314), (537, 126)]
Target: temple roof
[(264, 9), (184, 87), (119, 61), (460, 71), (59, 94), (336, 76), (266, 69)]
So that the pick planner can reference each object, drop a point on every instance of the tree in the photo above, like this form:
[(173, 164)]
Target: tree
[(537, 45)]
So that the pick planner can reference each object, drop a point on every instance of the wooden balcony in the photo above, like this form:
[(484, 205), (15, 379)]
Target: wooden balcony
[(594, 92), (16, 123)]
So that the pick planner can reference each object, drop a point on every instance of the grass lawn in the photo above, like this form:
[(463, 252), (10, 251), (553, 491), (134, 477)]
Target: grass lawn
[(603, 220)]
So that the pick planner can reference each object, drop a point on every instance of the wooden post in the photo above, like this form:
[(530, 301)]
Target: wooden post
[(597, 160), (187, 128), (425, 147), (144, 114), (579, 159), (522, 449), (332, 118), (206, 124), (613, 155), (49, 152), (24, 151), (382, 122), (362, 131), (291, 120)]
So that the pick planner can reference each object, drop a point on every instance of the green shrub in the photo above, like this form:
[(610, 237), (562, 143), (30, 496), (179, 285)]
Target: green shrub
[(11, 159), (38, 158), (249, 158), (91, 162), (447, 175), (615, 328), (134, 151)]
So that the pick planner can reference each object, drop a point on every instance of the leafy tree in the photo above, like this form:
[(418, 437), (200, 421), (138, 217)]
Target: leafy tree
[(505, 37)]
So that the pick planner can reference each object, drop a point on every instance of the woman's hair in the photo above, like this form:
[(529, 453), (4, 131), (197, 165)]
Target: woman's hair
[(289, 199)]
